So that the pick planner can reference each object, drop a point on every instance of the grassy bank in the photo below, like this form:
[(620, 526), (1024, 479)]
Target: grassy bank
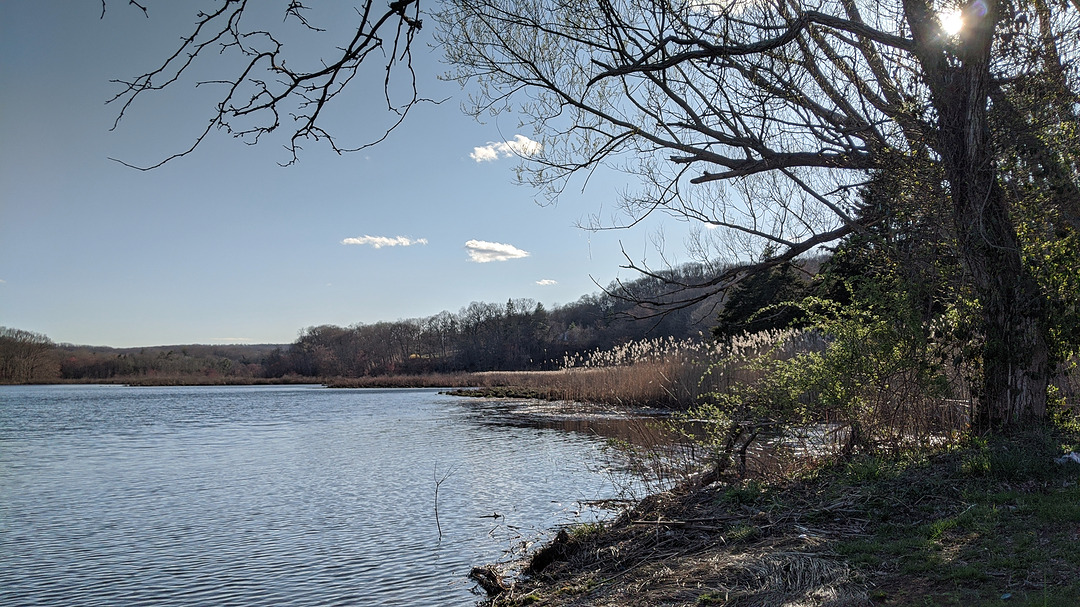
[(632, 385), (989, 523)]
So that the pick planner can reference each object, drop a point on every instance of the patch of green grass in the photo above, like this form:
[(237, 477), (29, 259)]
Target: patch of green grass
[(741, 532), (862, 551), (1019, 458), (976, 464), (869, 468), (1057, 507), (744, 494), (586, 530), (967, 573), (936, 530), (970, 525), (712, 598), (1068, 596)]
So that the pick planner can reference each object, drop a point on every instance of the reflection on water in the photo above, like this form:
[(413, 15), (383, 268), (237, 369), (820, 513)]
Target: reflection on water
[(633, 426), (277, 495)]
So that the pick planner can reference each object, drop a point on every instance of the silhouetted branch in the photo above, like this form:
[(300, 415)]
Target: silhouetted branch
[(131, 3), (684, 294), (267, 92)]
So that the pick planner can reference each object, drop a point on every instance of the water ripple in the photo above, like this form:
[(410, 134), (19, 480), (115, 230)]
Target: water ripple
[(268, 495)]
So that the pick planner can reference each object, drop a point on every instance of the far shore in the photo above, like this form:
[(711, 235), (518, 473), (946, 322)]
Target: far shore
[(491, 384)]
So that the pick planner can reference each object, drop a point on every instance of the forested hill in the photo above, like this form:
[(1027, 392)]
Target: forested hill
[(518, 334)]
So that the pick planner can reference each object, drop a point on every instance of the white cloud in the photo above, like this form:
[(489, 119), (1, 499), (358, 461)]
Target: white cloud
[(547, 282), (379, 242), (484, 154), (482, 251), (520, 146)]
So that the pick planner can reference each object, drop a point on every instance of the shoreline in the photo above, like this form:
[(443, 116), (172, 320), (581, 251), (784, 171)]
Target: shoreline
[(977, 525), (498, 383), (431, 380)]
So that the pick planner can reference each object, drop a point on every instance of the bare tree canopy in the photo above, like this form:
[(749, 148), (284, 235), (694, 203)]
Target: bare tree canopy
[(794, 101), (765, 117), (24, 355), (270, 88)]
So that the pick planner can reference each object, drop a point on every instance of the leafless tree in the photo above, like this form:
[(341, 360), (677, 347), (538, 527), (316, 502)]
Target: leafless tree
[(765, 117), (25, 356)]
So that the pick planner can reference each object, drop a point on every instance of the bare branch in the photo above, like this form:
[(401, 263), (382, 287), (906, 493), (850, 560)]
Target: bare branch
[(267, 91), (708, 51), (772, 162), (130, 3), (685, 295)]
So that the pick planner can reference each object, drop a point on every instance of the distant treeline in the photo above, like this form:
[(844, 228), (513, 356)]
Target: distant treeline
[(519, 334)]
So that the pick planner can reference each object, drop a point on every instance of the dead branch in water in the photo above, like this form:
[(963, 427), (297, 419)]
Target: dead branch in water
[(438, 482)]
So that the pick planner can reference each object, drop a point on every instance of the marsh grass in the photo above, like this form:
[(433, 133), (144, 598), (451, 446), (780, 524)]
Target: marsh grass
[(816, 394)]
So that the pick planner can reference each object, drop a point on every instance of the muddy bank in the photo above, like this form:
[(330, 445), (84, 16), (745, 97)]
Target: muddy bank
[(691, 547), (638, 426), (972, 526)]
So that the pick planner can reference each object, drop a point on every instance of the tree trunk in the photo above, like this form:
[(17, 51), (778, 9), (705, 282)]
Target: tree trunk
[(1016, 349)]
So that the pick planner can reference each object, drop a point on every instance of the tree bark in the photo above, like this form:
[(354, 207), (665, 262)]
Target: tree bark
[(1016, 350)]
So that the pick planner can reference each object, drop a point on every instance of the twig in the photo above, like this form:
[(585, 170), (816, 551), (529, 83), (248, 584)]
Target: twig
[(438, 482)]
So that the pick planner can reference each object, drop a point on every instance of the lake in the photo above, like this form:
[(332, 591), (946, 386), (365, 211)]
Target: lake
[(276, 495)]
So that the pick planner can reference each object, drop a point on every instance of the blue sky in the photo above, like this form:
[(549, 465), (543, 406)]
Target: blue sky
[(226, 246)]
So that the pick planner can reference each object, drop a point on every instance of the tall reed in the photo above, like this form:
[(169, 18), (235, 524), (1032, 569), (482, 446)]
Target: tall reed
[(666, 372)]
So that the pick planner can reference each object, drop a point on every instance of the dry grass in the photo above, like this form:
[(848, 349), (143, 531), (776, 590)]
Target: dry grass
[(891, 413), (690, 547), (429, 380), (961, 527), (666, 372)]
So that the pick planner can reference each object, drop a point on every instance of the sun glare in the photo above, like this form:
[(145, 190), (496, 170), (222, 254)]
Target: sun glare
[(951, 22)]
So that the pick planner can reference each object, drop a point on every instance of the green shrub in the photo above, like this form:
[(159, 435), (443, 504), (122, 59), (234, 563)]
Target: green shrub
[(861, 373)]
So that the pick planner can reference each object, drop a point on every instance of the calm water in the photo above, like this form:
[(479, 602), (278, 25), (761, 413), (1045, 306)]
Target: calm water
[(272, 495)]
